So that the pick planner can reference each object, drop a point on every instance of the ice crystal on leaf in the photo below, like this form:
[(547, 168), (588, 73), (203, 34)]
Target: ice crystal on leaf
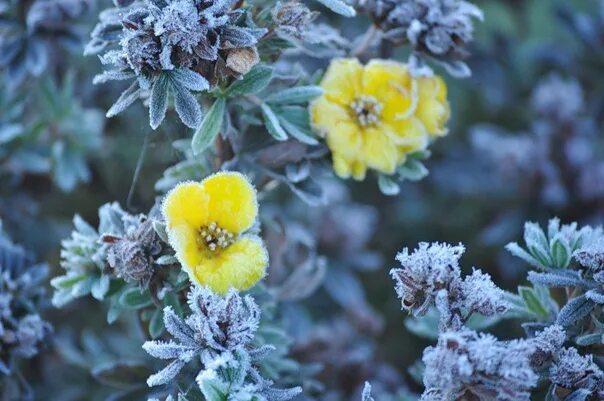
[(218, 333), (431, 276)]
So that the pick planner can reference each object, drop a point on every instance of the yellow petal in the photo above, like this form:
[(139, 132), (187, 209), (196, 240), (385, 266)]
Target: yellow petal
[(379, 151), (326, 114), (184, 239), (408, 133), (232, 201), (433, 108), (342, 81), (187, 204), (341, 166), (239, 266), (390, 83), (345, 138), (359, 169)]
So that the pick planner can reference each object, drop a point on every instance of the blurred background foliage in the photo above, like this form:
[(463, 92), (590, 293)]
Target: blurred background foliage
[(60, 156)]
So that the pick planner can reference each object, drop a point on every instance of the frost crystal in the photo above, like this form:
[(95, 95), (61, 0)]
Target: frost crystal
[(466, 363), (591, 252), (218, 332), (571, 371)]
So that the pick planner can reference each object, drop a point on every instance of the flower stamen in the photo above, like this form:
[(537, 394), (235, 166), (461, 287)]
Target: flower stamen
[(214, 237), (367, 109)]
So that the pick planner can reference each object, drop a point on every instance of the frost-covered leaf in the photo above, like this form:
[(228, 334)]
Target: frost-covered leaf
[(388, 186), (575, 309), (339, 7), (186, 105), (127, 97), (298, 94), (272, 123), (158, 104)]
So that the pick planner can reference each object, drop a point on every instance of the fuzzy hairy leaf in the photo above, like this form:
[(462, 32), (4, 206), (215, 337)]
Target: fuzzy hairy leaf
[(299, 94), (272, 123), (158, 104), (186, 105), (577, 308)]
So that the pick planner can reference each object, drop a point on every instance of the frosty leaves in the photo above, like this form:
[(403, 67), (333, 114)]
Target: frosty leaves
[(218, 332), (177, 47), (431, 276)]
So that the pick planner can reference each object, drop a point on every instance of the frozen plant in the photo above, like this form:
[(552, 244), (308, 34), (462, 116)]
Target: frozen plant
[(218, 333), (89, 255), (468, 365), (438, 30), (22, 331), (431, 276)]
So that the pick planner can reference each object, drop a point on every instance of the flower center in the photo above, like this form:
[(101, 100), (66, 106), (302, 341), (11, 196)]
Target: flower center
[(367, 109), (214, 237)]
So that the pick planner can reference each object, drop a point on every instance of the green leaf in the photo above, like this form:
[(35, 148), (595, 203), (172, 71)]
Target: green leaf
[(561, 253), (388, 186), (532, 302), (412, 170), (253, 82), (298, 132), (272, 123), (156, 324), (209, 128), (298, 94), (135, 299), (65, 282)]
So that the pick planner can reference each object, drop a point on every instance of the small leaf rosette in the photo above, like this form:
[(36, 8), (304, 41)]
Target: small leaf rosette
[(208, 223), (374, 116)]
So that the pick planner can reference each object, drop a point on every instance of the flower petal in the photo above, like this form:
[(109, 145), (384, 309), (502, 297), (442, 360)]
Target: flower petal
[(232, 201), (187, 204), (432, 108), (379, 151), (342, 81), (326, 114), (408, 133), (239, 266), (390, 83), (346, 139)]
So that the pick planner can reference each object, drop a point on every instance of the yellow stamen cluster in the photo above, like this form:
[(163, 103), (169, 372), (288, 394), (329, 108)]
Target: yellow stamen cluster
[(367, 109), (214, 237)]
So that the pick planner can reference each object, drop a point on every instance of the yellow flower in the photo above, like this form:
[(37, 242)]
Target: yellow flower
[(207, 223), (369, 115)]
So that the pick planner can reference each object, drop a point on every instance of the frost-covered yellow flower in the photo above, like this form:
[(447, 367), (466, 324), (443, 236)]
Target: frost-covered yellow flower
[(373, 116), (207, 223)]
